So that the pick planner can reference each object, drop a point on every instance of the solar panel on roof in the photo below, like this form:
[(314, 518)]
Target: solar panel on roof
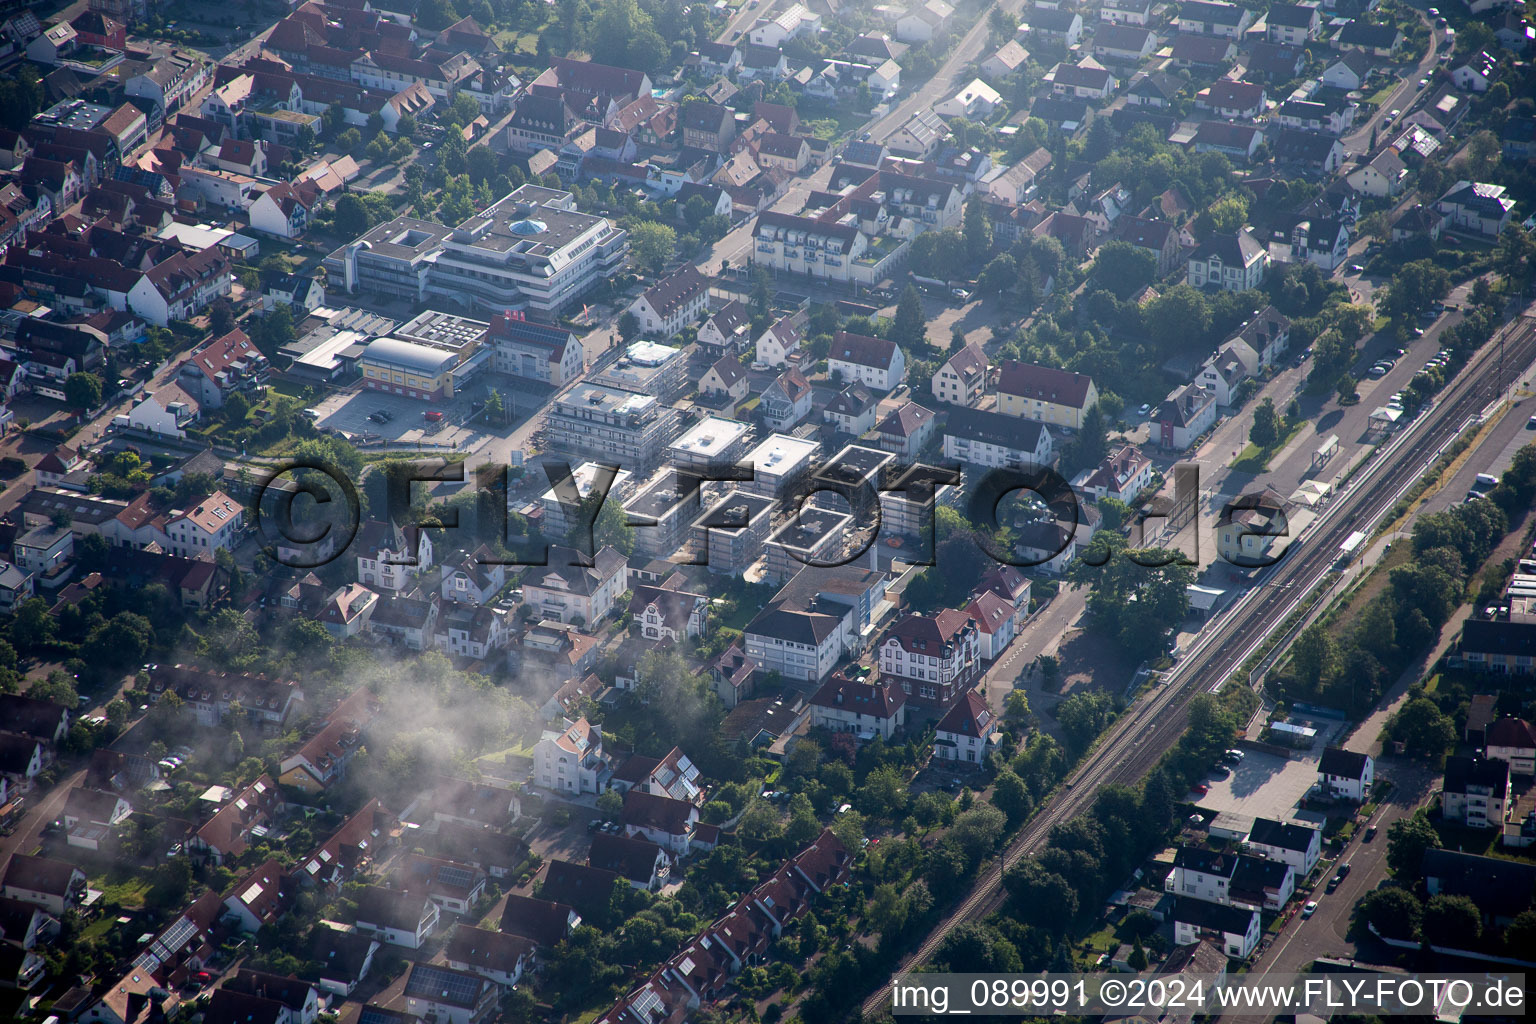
[(447, 986), (461, 878)]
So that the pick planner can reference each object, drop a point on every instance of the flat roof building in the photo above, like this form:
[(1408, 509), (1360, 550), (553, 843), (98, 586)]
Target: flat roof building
[(814, 537), (556, 522), (731, 533), (713, 441), (609, 423), (648, 368), (665, 510), (530, 250), (777, 462)]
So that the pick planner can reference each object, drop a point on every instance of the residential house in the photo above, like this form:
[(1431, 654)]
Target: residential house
[(934, 658), (1123, 474), (53, 885), (1230, 879), (1058, 27), (1384, 177), (454, 887), (993, 440), (1320, 240), (667, 306), (1238, 142), (1211, 17), (1477, 208), (1346, 774), (569, 759), (565, 590), (284, 210), (666, 822), (728, 331), (1498, 887), (1292, 24), (725, 379), (1476, 793), (1235, 929), (1234, 263), (664, 613), (449, 996), (22, 759), (814, 620), (1008, 59), (923, 21), (1203, 53), (387, 559), (1045, 394), (1512, 740), (906, 430), (1293, 843), (708, 126), (1313, 153), (865, 709), (1126, 12), (1349, 72), (1232, 100), (1184, 416), (967, 733), (1160, 238), (1252, 527), (1018, 183), (395, 916), (1125, 43), (345, 958), (919, 137), (875, 363), (545, 922), (1376, 40), (641, 863), (974, 102), (225, 365), (852, 410), (962, 379), (786, 401), (258, 899), (779, 345), (495, 956)]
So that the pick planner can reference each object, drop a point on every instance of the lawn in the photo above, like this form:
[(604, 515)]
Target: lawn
[(122, 887), (1254, 460)]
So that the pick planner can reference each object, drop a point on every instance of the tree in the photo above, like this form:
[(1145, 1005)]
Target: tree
[(1482, 153), (405, 125), (1313, 654), (1394, 912), (1123, 268), (1520, 934), (83, 390), (610, 804), (1407, 839), (350, 216), (1041, 898), (349, 140), (1011, 796), (436, 15), (1138, 958), (1266, 429), (629, 326), (1452, 921), (1423, 729), (1135, 596), (221, 319), (1413, 289), (910, 328), (1084, 715), (652, 245), (121, 641), (977, 230)]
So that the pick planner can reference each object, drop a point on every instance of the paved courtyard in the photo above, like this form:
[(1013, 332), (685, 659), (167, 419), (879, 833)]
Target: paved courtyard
[(1269, 786)]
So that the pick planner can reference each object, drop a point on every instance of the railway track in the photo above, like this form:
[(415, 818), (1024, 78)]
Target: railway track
[(1149, 728)]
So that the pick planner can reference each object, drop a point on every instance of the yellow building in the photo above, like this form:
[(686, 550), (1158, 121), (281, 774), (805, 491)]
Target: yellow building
[(406, 368), (1253, 537), (1045, 394)]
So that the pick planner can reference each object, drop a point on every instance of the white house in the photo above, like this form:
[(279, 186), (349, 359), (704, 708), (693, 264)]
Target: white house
[(1233, 263), (1476, 792), (779, 344), (1123, 474), (283, 210), (1254, 883), (968, 733), (672, 303), (1292, 842), (974, 102), (569, 760), (876, 363), (1235, 929), (992, 440), (1346, 774), (1477, 207), (213, 524), (1512, 740), (923, 21), (566, 591)]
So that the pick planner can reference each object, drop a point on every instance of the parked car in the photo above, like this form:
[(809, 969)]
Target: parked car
[(1221, 771), (1203, 788), (1234, 756), (1356, 268), (1144, 409), (1370, 834), (1309, 909)]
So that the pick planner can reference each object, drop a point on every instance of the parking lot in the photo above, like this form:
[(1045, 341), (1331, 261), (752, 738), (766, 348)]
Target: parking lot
[(406, 421), (1267, 785)]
